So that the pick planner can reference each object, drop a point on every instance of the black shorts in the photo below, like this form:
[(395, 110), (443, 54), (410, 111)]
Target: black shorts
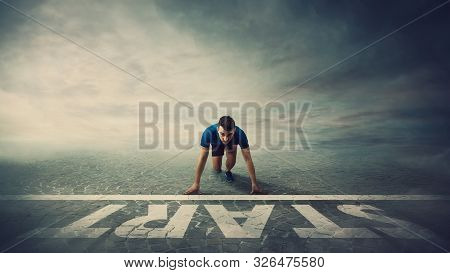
[(219, 150)]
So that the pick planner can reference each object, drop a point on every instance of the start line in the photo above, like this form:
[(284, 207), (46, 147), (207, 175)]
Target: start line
[(87, 197), (255, 219)]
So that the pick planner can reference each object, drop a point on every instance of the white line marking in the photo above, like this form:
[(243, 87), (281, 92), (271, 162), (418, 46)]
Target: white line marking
[(175, 228), (403, 229), (81, 228), (253, 226), (325, 228), (395, 197)]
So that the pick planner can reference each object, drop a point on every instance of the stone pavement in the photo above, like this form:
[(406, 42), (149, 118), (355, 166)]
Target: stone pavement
[(223, 226)]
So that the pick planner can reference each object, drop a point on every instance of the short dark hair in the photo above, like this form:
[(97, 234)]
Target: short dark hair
[(227, 123)]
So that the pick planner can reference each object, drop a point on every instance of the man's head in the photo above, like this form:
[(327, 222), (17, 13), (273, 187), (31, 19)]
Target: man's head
[(226, 128)]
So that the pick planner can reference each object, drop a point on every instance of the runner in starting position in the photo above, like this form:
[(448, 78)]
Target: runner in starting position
[(224, 136)]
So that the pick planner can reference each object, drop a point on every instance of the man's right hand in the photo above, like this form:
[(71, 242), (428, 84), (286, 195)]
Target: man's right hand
[(194, 189), (256, 189)]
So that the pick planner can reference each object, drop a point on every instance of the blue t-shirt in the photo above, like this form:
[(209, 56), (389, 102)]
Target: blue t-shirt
[(211, 137)]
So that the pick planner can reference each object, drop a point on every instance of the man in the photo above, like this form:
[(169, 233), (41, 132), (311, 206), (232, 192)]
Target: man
[(224, 136)]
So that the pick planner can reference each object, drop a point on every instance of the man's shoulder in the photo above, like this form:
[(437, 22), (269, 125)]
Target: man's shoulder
[(239, 130), (211, 128)]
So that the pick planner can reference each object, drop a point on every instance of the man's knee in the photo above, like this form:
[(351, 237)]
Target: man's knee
[(231, 158), (231, 155), (217, 163)]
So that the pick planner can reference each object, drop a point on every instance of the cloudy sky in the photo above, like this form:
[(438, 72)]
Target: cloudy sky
[(57, 95)]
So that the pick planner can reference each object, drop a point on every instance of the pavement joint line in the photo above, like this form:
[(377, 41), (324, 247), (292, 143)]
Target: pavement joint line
[(23, 237), (119, 197)]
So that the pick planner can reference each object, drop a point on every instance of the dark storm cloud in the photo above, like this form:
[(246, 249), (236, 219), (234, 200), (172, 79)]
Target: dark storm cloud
[(316, 33), (420, 114), (398, 85), (9, 19), (219, 50)]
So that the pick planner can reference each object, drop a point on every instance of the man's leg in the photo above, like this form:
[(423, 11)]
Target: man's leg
[(217, 163), (231, 158)]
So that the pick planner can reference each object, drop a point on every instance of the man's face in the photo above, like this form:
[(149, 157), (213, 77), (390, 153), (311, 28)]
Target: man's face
[(225, 136)]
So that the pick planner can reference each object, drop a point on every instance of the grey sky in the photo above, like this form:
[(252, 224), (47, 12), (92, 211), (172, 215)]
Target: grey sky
[(54, 94)]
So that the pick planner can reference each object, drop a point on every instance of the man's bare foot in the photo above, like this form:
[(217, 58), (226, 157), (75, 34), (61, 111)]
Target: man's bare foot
[(194, 189), (256, 189)]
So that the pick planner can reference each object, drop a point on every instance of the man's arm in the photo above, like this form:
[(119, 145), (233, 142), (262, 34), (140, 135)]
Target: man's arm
[(251, 170), (201, 162)]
